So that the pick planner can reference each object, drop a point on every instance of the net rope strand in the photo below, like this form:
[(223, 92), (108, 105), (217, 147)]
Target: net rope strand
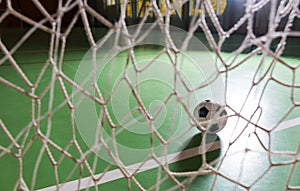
[(84, 161)]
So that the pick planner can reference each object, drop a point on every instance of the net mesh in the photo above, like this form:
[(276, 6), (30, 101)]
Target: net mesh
[(261, 94)]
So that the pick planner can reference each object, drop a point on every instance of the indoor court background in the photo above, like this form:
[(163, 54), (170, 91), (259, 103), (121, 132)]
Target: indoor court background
[(244, 156)]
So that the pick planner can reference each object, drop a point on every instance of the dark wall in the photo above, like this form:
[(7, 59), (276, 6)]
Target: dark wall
[(235, 9), (28, 9)]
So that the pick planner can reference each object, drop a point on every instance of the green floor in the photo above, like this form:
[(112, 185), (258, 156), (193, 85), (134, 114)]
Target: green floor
[(15, 114)]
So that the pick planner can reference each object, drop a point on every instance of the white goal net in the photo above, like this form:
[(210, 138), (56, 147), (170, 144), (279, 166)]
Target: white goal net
[(95, 103)]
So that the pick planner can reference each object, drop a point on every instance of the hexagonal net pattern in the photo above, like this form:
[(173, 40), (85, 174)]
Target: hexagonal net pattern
[(112, 109)]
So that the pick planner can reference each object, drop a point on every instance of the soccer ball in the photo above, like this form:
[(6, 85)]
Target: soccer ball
[(212, 116)]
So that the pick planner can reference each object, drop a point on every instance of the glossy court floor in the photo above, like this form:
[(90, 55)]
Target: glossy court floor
[(245, 167)]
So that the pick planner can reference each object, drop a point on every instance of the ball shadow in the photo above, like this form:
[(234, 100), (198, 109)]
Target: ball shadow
[(190, 158)]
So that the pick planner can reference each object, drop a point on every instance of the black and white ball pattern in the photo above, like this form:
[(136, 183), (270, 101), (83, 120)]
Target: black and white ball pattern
[(212, 116)]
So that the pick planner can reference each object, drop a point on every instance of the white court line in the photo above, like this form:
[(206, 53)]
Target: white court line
[(150, 164), (288, 124)]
